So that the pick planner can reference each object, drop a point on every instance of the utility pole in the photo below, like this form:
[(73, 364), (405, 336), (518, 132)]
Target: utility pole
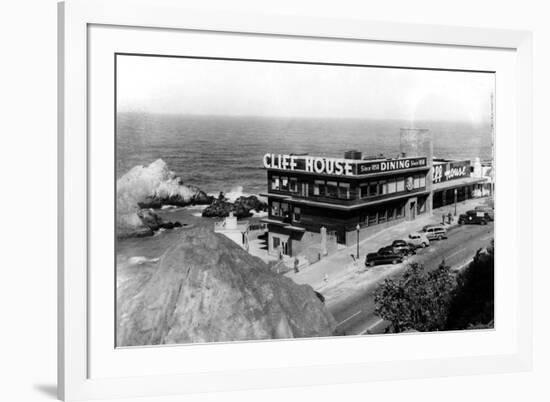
[(456, 194), (358, 228)]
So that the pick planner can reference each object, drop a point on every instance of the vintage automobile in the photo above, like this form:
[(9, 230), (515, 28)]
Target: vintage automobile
[(488, 210), (436, 232), (473, 218), (385, 255), (418, 240), (403, 247)]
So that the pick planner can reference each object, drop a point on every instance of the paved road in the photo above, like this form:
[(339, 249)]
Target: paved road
[(355, 314)]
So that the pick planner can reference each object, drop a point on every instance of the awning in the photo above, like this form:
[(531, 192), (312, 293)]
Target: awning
[(351, 207), (450, 184)]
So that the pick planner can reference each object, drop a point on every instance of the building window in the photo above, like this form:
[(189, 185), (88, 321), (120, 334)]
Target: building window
[(293, 185), (373, 218), (422, 181), (416, 182), (276, 242), (284, 183), (383, 187), (399, 211), (284, 209), (382, 215), (332, 189), (275, 182), (373, 189), (319, 187), (343, 191), (392, 186), (400, 184), (275, 208), (391, 213), (297, 214), (364, 191)]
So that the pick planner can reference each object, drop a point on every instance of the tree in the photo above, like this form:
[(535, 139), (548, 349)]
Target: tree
[(418, 300), (473, 298)]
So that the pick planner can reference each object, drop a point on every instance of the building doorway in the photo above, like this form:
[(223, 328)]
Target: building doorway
[(412, 210), (284, 247)]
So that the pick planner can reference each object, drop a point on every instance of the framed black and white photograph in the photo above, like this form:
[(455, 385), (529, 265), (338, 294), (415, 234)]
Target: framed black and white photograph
[(371, 212), (259, 201)]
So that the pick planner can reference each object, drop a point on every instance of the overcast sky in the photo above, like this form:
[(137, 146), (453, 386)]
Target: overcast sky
[(237, 88)]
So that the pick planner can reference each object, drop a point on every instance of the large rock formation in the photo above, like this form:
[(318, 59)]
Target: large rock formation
[(207, 289), (152, 186)]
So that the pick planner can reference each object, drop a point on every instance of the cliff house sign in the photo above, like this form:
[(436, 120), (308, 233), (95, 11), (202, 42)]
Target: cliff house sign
[(337, 166)]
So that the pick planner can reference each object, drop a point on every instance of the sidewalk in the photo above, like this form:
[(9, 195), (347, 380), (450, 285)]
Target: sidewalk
[(331, 273)]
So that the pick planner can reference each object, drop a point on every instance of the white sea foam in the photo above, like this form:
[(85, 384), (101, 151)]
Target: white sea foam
[(169, 207), (141, 182), (196, 207), (138, 260), (235, 193)]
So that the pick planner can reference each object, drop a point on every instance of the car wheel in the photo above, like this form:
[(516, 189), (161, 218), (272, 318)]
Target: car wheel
[(424, 245), (371, 264)]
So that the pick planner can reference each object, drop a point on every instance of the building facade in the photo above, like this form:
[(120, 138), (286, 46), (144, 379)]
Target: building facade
[(317, 204), (457, 181)]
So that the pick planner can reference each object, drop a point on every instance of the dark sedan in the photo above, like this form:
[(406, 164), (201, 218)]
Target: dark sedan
[(385, 255), (401, 246)]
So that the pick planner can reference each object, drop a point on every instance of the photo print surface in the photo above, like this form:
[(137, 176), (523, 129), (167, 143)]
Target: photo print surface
[(262, 200)]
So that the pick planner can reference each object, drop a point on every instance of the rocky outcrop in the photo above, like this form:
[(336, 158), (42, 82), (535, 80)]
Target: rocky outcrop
[(207, 289), (151, 186), (157, 201), (150, 222), (241, 208)]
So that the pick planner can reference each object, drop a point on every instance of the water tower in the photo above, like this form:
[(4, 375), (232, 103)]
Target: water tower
[(417, 142)]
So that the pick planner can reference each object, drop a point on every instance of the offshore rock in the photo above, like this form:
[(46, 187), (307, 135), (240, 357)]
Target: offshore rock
[(150, 222), (157, 201), (208, 289), (241, 208)]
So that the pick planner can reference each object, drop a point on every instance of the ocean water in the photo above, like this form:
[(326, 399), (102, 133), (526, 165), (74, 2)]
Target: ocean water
[(219, 153)]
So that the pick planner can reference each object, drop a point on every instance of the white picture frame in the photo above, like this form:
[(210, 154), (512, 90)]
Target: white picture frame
[(76, 349)]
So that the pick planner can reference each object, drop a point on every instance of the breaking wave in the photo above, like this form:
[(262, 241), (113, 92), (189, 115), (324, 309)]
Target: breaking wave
[(146, 181)]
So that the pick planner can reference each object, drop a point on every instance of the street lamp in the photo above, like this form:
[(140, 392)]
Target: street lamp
[(358, 228), (456, 193)]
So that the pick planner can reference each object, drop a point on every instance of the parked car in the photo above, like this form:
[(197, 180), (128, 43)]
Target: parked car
[(418, 240), (436, 232), (488, 210), (473, 218), (403, 247), (433, 225), (383, 256)]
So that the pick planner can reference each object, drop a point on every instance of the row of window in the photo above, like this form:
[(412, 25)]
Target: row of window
[(341, 190), (284, 183), (331, 189), (383, 214), (394, 185)]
